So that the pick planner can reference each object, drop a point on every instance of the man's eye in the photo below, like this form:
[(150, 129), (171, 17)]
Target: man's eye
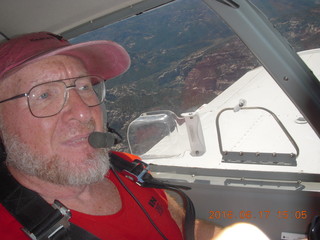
[(44, 95), (84, 87), (40, 96), (87, 88)]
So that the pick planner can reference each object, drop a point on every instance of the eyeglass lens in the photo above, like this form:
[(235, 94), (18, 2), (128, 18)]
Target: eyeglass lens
[(47, 99)]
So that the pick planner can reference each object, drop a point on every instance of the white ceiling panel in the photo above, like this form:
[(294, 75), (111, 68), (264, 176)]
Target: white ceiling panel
[(23, 16)]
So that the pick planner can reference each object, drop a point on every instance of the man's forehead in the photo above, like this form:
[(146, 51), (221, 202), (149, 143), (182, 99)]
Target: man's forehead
[(10, 86), (48, 69)]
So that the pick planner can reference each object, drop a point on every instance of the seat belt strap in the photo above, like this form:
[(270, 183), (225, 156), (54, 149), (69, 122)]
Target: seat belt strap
[(40, 220), (137, 171)]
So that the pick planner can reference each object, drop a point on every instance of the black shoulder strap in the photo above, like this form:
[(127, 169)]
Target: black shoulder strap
[(40, 220)]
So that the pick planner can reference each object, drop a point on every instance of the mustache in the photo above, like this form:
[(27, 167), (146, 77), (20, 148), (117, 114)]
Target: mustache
[(76, 127)]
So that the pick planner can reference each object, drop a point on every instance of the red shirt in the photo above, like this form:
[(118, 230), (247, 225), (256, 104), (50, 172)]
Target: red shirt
[(129, 223)]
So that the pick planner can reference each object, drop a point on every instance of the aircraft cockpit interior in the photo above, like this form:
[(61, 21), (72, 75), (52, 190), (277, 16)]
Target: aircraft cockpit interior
[(222, 96)]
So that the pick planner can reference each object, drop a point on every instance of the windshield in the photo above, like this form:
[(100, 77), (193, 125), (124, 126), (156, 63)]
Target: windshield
[(184, 56)]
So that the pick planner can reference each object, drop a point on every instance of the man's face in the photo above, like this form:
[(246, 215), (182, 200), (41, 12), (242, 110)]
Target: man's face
[(58, 143)]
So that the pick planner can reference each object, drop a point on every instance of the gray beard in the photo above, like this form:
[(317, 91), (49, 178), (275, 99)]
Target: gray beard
[(55, 169)]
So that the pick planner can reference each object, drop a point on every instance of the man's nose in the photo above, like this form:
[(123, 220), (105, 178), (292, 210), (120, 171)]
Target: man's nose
[(76, 108)]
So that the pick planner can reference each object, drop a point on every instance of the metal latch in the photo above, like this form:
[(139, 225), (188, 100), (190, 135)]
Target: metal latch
[(137, 173), (58, 220), (293, 236)]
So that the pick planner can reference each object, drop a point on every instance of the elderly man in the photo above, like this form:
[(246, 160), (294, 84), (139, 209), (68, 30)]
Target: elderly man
[(51, 93)]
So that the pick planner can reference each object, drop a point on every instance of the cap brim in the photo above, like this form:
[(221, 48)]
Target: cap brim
[(104, 58)]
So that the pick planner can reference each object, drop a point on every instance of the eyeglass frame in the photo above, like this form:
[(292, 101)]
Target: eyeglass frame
[(67, 88)]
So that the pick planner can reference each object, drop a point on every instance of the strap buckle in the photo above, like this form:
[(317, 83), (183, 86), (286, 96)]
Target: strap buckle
[(138, 172), (56, 221)]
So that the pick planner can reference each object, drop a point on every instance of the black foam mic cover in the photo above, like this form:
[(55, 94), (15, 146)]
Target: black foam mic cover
[(101, 140)]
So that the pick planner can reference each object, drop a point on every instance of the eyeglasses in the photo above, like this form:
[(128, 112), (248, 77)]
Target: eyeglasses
[(48, 99)]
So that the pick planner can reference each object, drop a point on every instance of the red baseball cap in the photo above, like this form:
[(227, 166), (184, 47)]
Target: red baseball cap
[(104, 58)]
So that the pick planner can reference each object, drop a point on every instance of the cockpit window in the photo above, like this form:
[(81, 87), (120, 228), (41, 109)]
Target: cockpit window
[(297, 21), (184, 56)]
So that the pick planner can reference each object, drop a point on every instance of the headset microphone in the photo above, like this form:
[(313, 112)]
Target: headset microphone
[(102, 140)]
